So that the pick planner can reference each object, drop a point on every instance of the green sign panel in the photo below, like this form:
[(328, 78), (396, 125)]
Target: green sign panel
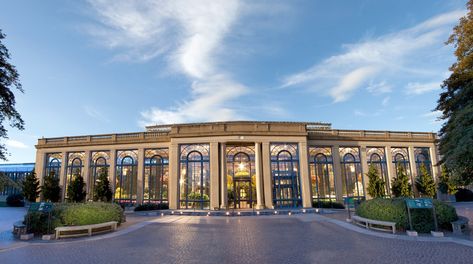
[(41, 207), (420, 203)]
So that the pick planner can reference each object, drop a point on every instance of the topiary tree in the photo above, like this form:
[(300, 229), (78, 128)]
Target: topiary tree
[(102, 191), (30, 187), (446, 184), (51, 189), (76, 188), (400, 185), (425, 183), (376, 184)]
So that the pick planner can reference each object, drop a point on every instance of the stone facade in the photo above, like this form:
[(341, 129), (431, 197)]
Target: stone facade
[(237, 164)]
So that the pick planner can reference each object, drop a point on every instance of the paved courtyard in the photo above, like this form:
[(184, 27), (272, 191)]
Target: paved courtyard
[(186, 239)]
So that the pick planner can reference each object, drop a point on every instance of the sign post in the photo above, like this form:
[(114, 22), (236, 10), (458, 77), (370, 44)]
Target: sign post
[(421, 203), (43, 208)]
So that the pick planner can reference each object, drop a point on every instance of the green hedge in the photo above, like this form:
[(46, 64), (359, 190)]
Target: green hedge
[(327, 204), (151, 207), (74, 214), (395, 210)]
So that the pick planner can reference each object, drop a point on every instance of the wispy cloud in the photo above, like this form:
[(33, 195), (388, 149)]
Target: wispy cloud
[(433, 117), (421, 88), (189, 35), (15, 144), (382, 62), (95, 113)]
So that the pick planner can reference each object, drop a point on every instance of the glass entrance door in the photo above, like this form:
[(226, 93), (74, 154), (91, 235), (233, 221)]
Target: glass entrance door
[(243, 194)]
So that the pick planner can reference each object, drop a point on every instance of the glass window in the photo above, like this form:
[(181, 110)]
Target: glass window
[(75, 161), (377, 158), (126, 177), (100, 162), (241, 177), (401, 159), (422, 157), (321, 174), (156, 176), (53, 164), (194, 179), (285, 175), (353, 182)]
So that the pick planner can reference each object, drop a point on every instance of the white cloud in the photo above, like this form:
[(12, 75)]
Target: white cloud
[(15, 144), (94, 113), (434, 117), (385, 101), (189, 36), (421, 88), (417, 52)]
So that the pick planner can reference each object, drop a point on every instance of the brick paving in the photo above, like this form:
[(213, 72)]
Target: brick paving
[(263, 239)]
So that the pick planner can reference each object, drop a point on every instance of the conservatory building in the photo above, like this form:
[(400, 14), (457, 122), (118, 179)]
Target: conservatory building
[(236, 165)]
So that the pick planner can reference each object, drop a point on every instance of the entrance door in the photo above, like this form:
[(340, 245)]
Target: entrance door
[(243, 194)]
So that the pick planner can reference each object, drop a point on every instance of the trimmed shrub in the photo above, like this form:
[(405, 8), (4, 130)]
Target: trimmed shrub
[(74, 215), (395, 210), (30, 187), (375, 183), (327, 204), (464, 195), (425, 183), (102, 190), (151, 206), (51, 189), (15, 200), (76, 189), (400, 186)]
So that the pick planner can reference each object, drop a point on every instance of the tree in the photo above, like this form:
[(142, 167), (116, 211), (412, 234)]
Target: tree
[(376, 184), (76, 189), (31, 187), (102, 191), (51, 189), (9, 78), (400, 185), (5, 181), (425, 182), (456, 103), (446, 184)]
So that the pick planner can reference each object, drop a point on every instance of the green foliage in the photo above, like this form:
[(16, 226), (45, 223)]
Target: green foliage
[(102, 190), (15, 200), (51, 189), (446, 184), (456, 104), (395, 210), (400, 185), (151, 206), (9, 78), (425, 182), (76, 188), (74, 214), (376, 183), (5, 181), (327, 204), (30, 187)]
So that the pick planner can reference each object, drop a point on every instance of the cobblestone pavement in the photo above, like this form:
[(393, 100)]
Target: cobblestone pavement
[(274, 239)]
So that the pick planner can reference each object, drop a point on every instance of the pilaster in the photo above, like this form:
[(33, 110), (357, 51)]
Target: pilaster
[(223, 176), (259, 180), (173, 189), (141, 171), (304, 174), (267, 183), (337, 172), (214, 176)]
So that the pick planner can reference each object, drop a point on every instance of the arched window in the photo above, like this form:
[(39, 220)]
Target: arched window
[(126, 177), (285, 174), (422, 157), (74, 168), (156, 176), (377, 158), (401, 161), (352, 182), (321, 174), (99, 164), (53, 164), (241, 177), (194, 176)]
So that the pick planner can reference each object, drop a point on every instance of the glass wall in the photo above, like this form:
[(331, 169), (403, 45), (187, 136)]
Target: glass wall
[(156, 176), (321, 174), (194, 182), (75, 163), (99, 163), (241, 177), (352, 182), (53, 164), (401, 161), (285, 175), (422, 156), (126, 177), (377, 158)]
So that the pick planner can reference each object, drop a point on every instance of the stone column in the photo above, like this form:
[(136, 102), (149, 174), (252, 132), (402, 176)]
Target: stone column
[(113, 168), (436, 169), (214, 202), (390, 166), (62, 177), (305, 176), (267, 182), (140, 176), (223, 176), (364, 170), (173, 189), (337, 172), (412, 164), (39, 168), (259, 183), (85, 173)]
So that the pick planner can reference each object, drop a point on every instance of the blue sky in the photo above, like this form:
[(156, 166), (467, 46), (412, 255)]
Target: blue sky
[(97, 67)]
